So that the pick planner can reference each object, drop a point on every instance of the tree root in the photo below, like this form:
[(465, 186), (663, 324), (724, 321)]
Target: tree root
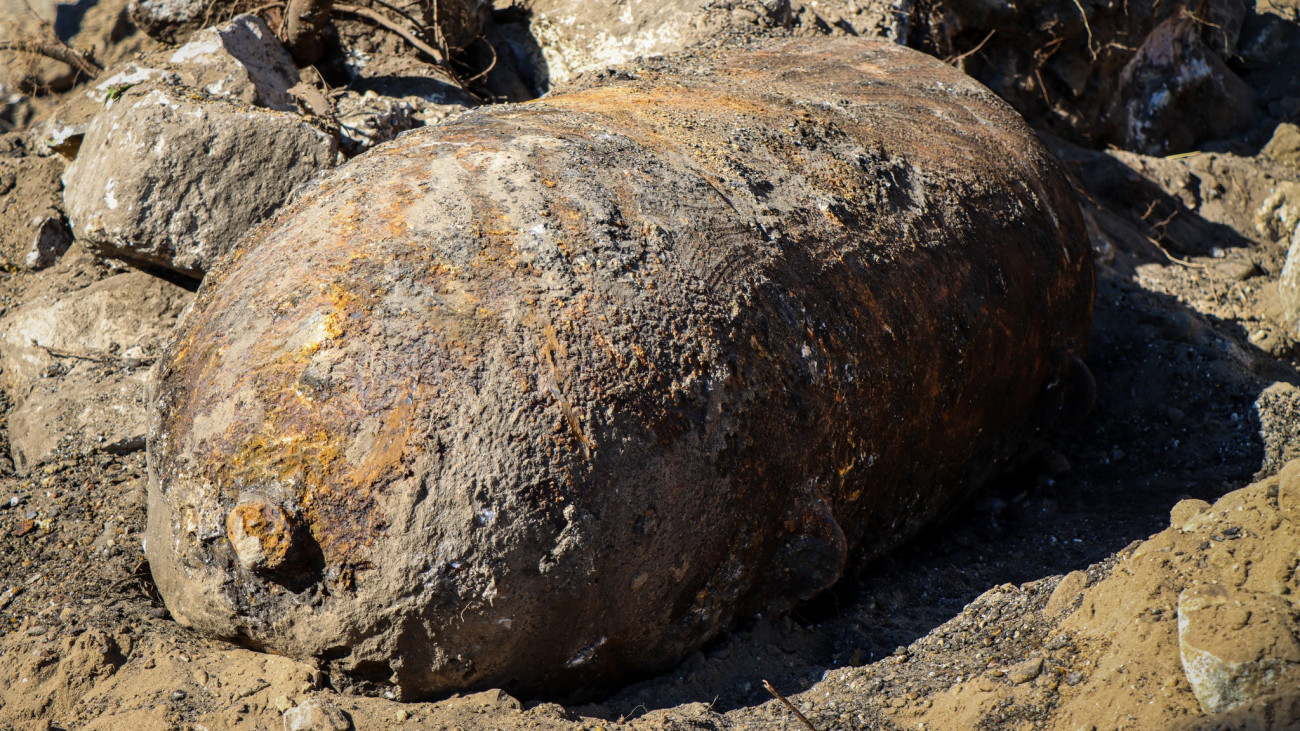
[(59, 51)]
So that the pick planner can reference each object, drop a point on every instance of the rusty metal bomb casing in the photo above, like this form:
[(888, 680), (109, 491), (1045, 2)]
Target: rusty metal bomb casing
[(549, 395)]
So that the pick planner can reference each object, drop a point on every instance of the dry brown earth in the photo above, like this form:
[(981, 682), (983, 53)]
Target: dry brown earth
[(1053, 601)]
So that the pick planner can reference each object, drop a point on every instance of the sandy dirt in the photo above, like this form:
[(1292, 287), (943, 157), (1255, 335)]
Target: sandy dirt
[(1053, 600)]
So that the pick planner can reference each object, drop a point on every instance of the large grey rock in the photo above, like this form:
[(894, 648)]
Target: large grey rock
[(167, 179), (1177, 92), (76, 358), (241, 59)]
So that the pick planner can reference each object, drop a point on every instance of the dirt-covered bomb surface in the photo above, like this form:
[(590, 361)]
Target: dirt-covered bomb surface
[(549, 395), (1028, 608)]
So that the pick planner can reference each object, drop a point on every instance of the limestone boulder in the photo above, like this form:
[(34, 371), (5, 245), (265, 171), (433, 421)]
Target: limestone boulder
[(240, 60), (167, 179)]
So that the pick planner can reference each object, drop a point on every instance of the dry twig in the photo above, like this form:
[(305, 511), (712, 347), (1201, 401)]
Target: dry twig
[(777, 694), (97, 357), (1174, 259), (59, 51), (958, 59), (1086, 27), (391, 25)]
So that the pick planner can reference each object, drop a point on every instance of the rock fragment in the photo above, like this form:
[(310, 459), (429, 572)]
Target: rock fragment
[(1189, 515), (1236, 646), (168, 180), (1176, 92), (242, 60), (1284, 145), (1026, 671), (261, 533), (51, 239), (316, 714), (1288, 492), (32, 232), (1288, 284)]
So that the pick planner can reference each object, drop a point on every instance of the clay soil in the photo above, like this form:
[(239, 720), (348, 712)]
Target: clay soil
[(1039, 605)]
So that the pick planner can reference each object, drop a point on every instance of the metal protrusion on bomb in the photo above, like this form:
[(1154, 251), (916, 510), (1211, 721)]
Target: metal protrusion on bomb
[(261, 534)]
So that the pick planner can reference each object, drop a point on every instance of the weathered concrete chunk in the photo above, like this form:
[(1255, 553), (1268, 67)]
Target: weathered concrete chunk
[(1236, 646), (241, 59), (547, 396), (173, 181), (76, 359)]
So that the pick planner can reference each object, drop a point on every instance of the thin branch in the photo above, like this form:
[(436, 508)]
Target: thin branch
[(1086, 27), (97, 357), (491, 66), (958, 59), (772, 689), (59, 51), (402, 13), (388, 24), (1174, 259)]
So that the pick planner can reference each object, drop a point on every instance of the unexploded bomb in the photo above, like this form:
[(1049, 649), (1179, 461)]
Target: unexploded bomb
[(550, 394)]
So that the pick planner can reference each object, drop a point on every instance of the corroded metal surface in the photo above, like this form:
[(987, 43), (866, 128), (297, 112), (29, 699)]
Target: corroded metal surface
[(555, 392)]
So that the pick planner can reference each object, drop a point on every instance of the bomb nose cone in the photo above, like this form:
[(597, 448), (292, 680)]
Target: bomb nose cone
[(262, 534)]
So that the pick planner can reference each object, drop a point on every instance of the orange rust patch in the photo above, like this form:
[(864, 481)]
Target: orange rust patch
[(261, 533)]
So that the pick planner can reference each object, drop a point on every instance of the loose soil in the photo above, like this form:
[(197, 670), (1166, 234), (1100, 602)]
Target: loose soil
[(1040, 605)]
